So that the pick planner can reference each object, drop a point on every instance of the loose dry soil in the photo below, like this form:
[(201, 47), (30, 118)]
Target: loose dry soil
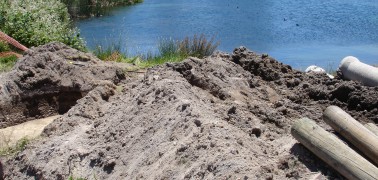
[(222, 117)]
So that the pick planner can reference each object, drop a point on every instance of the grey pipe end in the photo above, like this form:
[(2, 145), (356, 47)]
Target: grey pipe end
[(353, 69)]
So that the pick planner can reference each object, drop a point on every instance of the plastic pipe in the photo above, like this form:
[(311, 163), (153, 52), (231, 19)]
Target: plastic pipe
[(353, 69)]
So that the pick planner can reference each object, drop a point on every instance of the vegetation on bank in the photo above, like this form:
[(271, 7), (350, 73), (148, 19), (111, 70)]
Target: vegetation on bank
[(169, 50), (6, 62), (85, 8), (37, 22)]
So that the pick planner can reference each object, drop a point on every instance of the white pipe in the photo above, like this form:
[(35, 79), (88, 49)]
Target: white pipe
[(353, 69)]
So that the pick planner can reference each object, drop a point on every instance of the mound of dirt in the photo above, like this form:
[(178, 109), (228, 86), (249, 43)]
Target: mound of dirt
[(48, 80), (223, 117)]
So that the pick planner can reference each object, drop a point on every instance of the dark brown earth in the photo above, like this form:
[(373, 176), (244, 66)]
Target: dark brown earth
[(222, 117)]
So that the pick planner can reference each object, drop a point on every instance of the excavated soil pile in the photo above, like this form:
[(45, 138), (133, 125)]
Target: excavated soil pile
[(48, 80), (223, 117)]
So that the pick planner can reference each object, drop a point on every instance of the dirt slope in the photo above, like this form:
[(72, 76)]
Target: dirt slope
[(224, 117)]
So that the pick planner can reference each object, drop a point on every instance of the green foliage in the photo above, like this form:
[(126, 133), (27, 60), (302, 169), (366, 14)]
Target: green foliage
[(37, 22), (6, 63), (20, 146)]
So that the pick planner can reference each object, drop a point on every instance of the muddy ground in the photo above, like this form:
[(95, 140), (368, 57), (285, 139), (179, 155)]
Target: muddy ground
[(227, 116)]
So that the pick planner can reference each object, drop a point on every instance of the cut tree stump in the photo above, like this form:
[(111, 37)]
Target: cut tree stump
[(357, 134), (333, 151)]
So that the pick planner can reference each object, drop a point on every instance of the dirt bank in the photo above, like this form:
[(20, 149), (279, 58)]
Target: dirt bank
[(224, 117), (48, 80)]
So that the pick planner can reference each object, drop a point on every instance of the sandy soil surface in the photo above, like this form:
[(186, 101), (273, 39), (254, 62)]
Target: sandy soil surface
[(227, 116), (30, 130)]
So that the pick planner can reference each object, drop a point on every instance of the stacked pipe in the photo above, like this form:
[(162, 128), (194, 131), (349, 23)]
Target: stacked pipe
[(334, 151)]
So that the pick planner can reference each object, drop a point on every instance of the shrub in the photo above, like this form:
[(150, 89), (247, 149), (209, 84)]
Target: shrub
[(37, 22)]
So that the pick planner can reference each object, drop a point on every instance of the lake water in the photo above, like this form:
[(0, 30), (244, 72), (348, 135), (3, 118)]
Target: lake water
[(297, 32)]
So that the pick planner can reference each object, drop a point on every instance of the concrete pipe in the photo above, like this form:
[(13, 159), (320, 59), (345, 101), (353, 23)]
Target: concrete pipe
[(353, 69)]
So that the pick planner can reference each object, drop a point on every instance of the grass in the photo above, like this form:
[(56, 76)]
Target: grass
[(197, 46), (111, 52), (11, 150), (6, 63), (170, 50)]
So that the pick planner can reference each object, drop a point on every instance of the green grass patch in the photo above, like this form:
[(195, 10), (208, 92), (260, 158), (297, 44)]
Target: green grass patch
[(6, 63)]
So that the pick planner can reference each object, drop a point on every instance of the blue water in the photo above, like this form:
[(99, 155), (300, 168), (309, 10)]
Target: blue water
[(297, 32)]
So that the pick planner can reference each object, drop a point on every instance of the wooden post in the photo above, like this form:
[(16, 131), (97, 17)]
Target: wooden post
[(333, 151), (365, 140), (372, 127)]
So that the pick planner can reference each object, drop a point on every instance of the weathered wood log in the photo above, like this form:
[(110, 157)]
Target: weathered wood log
[(365, 140), (372, 127), (333, 151)]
